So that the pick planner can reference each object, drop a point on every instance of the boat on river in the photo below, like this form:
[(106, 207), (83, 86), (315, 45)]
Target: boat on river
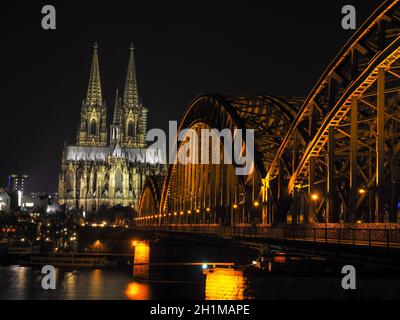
[(63, 260)]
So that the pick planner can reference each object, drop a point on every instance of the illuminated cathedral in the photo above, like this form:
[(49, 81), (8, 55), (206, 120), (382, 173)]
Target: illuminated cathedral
[(108, 164)]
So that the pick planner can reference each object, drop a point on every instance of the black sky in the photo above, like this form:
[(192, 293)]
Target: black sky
[(278, 48)]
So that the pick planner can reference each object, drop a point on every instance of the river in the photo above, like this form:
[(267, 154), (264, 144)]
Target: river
[(286, 277)]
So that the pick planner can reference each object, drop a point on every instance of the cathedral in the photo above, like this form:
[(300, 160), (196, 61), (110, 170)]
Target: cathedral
[(107, 165)]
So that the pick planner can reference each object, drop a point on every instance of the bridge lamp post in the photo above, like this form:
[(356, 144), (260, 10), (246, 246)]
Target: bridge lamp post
[(362, 191), (233, 214), (132, 210), (315, 198), (256, 206), (208, 210)]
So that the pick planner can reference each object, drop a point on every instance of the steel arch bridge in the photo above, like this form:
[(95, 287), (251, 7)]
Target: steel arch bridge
[(333, 157)]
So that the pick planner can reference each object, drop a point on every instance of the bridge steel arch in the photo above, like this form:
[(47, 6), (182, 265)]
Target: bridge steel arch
[(333, 157), (151, 196), (348, 171), (213, 194)]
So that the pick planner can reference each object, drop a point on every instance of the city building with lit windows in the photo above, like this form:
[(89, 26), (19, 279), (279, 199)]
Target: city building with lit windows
[(17, 186), (4, 201)]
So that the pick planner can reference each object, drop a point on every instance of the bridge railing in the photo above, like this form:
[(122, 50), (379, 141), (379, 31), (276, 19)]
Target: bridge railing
[(372, 237)]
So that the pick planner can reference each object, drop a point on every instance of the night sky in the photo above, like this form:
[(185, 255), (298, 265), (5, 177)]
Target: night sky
[(280, 48)]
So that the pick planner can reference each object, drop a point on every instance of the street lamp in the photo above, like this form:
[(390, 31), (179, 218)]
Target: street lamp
[(362, 191), (315, 197)]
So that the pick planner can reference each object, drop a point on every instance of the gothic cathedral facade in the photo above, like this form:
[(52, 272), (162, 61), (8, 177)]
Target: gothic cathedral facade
[(102, 171)]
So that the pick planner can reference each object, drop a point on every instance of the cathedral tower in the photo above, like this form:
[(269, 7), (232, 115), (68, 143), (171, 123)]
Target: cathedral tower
[(134, 114), (93, 127)]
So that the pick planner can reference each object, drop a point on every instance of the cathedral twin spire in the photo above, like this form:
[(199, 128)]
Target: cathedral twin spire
[(131, 96), (129, 119), (94, 96)]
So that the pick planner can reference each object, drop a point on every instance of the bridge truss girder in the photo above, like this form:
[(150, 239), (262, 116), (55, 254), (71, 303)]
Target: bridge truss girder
[(333, 157), (348, 169)]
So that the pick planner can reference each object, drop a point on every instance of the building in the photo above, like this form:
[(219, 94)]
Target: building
[(41, 202), (101, 171), (17, 186), (4, 201), (17, 182)]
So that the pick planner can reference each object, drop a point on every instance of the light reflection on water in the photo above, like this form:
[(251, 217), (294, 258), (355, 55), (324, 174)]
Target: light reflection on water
[(21, 283), (138, 291), (24, 283)]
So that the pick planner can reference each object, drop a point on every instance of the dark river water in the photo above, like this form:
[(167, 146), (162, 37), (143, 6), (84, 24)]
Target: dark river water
[(285, 277)]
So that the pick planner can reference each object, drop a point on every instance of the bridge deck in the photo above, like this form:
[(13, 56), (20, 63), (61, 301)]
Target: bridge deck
[(386, 238)]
